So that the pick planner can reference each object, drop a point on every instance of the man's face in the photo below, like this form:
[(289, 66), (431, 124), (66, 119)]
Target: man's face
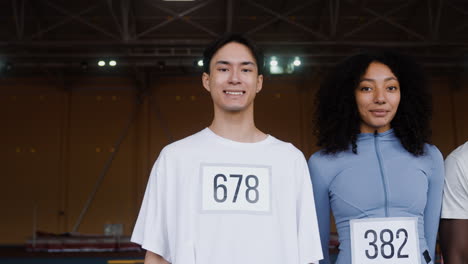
[(233, 80)]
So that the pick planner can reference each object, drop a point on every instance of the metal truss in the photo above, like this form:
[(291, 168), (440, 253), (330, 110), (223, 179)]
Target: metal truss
[(146, 32)]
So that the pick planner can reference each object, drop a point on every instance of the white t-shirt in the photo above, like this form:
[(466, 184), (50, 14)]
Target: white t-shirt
[(455, 202), (210, 200)]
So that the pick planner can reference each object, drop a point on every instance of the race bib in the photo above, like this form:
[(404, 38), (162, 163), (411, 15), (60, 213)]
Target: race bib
[(392, 240), (235, 188)]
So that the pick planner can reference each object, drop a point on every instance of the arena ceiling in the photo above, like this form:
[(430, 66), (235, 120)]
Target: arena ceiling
[(64, 34)]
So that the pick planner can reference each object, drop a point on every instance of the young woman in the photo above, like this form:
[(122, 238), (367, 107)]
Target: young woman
[(376, 170)]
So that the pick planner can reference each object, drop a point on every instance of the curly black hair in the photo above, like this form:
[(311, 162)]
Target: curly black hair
[(337, 120)]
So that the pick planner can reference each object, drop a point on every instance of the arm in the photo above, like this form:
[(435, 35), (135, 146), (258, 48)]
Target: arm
[(453, 231), (310, 250), (152, 258), (454, 240), (434, 200), (322, 204), (152, 228)]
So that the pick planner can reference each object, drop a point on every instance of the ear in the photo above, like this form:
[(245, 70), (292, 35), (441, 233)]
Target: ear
[(206, 81), (259, 83)]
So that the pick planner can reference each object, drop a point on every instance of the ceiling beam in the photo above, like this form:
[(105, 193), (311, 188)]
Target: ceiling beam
[(462, 11), (18, 15), (229, 14), (201, 43), (334, 6), (379, 17), (178, 16), (80, 19), (434, 18), (64, 21), (110, 5), (283, 17), (125, 9)]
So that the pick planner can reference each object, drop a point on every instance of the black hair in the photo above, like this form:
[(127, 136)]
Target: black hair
[(337, 120), (217, 44)]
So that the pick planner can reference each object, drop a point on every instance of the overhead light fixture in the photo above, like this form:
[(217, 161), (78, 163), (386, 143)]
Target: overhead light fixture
[(297, 62), (101, 63), (273, 61), (275, 68), (112, 63), (200, 63)]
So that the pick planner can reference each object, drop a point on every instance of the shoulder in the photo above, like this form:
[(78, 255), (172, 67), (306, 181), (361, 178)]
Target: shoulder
[(326, 166), (286, 149), (320, 156), (325, 159), (187, 143), (457, 161), (434, 154), (179, 151), (460, 153), (434, 163)]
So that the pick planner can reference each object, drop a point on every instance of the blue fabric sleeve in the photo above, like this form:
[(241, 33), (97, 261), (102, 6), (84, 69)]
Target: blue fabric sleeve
[(434, 199), (308, 232), (322, 205)]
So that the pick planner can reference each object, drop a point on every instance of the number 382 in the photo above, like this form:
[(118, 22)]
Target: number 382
[(387, 247)]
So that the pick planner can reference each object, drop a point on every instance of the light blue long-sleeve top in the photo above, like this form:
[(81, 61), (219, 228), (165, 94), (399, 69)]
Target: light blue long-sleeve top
[(382, 180)]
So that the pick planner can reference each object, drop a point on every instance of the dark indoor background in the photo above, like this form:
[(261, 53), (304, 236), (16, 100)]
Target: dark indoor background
[(66, 123)]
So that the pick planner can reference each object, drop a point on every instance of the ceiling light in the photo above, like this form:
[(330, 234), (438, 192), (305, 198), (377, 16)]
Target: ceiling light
[(297, 61), (273, 61), (275, 68)]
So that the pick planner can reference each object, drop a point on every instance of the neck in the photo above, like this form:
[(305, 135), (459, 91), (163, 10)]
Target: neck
[(236, 126), (373, 130)]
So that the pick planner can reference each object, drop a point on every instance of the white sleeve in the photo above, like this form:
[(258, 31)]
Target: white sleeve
[(455, 200), (310, 248), (151, 228)]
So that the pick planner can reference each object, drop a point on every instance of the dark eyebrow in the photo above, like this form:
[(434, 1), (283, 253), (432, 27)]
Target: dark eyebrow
[(248, 63), (223, 62), (372, 80)]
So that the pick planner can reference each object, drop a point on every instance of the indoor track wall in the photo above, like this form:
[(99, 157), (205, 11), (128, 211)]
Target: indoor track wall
[(57, 138)]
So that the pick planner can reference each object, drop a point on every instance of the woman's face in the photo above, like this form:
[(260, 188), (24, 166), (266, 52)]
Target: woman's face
[(377, 98)]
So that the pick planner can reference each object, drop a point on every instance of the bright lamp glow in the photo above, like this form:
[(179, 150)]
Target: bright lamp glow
[(297, 61), (102, 63), (273, 61), (200, 63), (112, 63), (275, 68)]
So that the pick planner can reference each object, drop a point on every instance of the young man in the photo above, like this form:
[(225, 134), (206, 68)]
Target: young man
[(230, 193), (453, 229)]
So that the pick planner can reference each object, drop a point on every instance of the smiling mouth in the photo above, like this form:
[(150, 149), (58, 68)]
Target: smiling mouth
[(379, 113), (234, 92)]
